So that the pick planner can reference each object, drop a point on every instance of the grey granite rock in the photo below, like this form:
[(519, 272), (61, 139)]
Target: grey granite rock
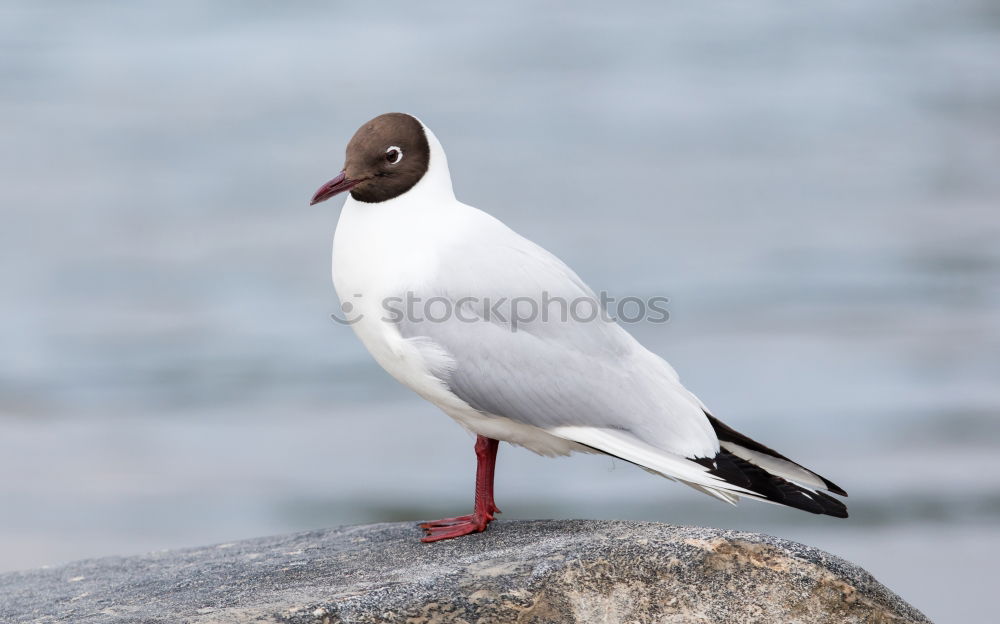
[(527, 572)]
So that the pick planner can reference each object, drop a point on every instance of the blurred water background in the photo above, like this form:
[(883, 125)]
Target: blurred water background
[(815, 187)]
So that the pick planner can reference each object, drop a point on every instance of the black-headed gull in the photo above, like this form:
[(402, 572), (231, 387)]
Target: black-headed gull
[(552, 383)]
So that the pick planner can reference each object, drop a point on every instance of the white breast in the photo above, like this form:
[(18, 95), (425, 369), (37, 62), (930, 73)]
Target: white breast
[(382, 251)]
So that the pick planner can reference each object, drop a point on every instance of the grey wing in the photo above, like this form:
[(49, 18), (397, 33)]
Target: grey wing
[(523, 346)]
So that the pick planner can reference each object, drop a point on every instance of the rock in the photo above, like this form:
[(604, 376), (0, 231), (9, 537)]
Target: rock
[(528, 572)]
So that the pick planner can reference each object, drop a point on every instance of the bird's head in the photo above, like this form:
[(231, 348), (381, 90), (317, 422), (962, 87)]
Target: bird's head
[(386, 157)]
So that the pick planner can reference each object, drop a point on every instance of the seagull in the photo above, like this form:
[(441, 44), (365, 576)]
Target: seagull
[(552, 383)]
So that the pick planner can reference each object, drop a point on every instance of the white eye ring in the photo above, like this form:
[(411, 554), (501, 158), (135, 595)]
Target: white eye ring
[(393, 155)]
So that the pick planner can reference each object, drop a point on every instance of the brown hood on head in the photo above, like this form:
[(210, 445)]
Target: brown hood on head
[(386, 157)]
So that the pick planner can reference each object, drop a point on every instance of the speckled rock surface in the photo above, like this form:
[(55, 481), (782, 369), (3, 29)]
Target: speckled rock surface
[(526, 572)]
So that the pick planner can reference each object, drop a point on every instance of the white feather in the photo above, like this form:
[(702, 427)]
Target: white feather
[(779, 467), (672, 466)]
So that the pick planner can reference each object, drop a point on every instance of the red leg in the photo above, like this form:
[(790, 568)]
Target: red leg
[(447, 528)]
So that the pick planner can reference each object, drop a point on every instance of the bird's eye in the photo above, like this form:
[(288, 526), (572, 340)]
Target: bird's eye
[(393, 155)]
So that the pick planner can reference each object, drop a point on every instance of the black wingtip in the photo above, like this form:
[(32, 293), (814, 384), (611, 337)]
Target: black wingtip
[(740, 472), (725, 433), (833, 487), (831, 506)]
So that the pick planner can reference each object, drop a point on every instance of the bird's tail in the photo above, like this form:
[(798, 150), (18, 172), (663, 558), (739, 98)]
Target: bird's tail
[(742, 468), (770, 476)]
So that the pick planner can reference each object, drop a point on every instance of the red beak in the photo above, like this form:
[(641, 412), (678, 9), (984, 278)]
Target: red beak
[(333, 187)]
